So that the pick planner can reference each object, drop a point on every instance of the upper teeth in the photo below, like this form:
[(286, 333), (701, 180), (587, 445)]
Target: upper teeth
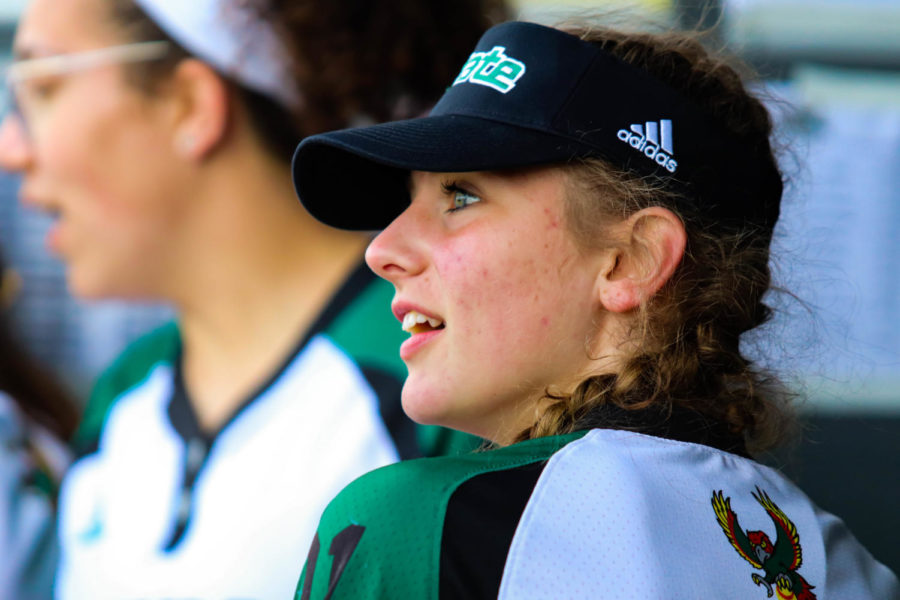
[(413, 318)]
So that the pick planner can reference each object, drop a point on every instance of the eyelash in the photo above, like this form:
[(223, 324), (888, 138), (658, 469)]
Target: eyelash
[(450, 188)]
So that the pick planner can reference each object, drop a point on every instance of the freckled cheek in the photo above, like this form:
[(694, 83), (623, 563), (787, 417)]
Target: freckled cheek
[(475, 297), (514, 308), (499, 296), (552, 222)]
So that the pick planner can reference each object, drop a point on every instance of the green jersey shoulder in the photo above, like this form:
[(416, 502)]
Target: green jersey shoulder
[(129, 370), (381, 536)]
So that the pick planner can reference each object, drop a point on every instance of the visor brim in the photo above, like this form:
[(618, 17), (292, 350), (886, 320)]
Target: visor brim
[(356, 179)]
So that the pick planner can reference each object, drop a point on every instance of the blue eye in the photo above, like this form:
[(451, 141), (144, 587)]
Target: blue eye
[(463, 199), (459, 198)]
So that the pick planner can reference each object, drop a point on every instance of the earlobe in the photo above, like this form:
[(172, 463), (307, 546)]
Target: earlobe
[(619, 296), (656, 241), (185, 144)]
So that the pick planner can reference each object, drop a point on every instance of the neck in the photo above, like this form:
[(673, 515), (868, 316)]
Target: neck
[(260, 271)]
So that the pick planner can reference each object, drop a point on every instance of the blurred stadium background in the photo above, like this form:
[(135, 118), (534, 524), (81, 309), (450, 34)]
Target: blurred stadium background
[(832, 70)]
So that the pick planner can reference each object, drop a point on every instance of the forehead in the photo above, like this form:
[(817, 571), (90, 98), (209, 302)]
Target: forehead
[(58, 26)]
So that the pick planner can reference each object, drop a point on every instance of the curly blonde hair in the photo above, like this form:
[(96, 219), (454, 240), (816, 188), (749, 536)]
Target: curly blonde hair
[(687, 336)]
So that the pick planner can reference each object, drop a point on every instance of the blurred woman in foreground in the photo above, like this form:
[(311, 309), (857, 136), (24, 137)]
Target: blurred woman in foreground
[(159, 133)]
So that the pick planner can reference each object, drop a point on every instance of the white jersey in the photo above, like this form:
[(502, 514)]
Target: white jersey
[(255, 502), (163, 509), (657, 518)]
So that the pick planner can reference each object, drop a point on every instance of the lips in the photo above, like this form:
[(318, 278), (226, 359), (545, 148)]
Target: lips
[(33, 196), (53, 214)]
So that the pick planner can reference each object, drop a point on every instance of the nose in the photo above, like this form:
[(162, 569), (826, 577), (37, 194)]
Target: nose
[(396, 252), (15, 149)]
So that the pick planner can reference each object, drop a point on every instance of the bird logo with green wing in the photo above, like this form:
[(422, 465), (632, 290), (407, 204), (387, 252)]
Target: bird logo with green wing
[(778, 561)]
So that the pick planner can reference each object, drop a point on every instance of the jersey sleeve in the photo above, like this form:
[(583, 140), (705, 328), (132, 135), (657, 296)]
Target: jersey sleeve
[(378, 539), (128, 370), (381, 537)]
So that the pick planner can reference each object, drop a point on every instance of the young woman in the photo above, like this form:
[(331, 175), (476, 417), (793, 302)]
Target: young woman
[(159, 133), (578, 237), (35, 417)]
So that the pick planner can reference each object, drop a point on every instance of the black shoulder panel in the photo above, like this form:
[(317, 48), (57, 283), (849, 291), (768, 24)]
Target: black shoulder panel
[(481, 519)]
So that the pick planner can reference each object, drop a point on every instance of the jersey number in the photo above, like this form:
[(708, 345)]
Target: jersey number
[(342, 547)]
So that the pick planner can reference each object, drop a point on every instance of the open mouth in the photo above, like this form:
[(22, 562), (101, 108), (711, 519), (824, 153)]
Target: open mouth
[(415, 322)]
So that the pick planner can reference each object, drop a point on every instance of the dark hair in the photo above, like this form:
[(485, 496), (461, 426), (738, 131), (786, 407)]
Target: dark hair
[(688, 335), (352, 61), (32, 388)]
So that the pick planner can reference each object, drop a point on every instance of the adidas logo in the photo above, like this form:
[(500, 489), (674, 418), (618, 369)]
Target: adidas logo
[(494, 69), (653, 140)]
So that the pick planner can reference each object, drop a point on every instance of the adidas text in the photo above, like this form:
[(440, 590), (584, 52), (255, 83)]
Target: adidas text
[(493, 69), (646, 139)]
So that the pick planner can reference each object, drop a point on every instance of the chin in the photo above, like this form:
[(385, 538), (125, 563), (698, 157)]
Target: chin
[(426, 407), (422, 407), (86, 287)]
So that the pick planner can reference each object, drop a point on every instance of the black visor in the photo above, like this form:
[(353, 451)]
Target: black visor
[(531, 95)]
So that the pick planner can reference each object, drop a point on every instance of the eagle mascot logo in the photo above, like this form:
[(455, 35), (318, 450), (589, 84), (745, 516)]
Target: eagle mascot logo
[(779, 561)]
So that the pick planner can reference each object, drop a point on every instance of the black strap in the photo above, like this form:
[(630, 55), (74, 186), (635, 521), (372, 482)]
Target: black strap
[(481, 519), (673, 423)]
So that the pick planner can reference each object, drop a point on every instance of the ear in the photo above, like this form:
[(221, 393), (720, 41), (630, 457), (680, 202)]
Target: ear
[(202, 100), (654, 243)]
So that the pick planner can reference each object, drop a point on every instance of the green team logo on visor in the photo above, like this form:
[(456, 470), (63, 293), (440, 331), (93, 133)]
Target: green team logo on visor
[(493, 69)]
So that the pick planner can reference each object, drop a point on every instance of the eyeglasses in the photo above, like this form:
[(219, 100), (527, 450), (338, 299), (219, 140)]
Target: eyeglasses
[(22, 71)]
